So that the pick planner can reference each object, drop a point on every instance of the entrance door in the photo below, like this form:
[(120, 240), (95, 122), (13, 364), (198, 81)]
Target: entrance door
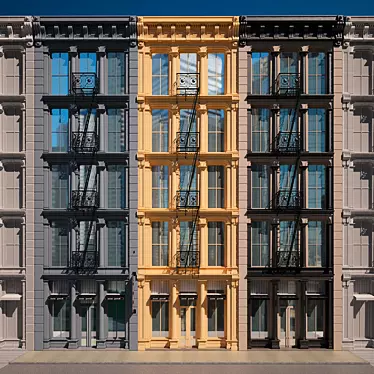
[(88, 318), (287, 322), (188, 323)]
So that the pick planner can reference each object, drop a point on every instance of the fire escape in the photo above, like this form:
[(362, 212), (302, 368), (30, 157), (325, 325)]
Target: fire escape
[(188, 199), (288, 199), (85, 197)]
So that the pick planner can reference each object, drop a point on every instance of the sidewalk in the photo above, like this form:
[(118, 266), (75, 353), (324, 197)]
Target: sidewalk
[(191, 357)]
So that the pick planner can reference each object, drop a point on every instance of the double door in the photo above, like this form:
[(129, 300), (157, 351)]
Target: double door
[(188, 323), (88, 325), (287, 323)]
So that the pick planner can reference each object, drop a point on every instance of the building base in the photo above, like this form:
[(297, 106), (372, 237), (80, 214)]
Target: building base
[(274, 344), (201, 343), (303, 344), (100, 344), (73, 344), (173, 344)]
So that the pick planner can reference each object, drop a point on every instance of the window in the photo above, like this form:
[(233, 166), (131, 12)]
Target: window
[(117, 187), (362, 71), (187, 121), (362, 129), (160, 130), (216, 243), (260, 186), (316, 130), (92, 120), (13, 72), (260, 130), (60, 183), (160, 187), (216, 130), (260, 73), (87, 237), (87, 62), (60, 126), (216, 71), (186, 173), (116, 130), (160, 74), (160, 243), (288, 63), (288, 236), (12, 130), (116, 243), (160, 318), (116, 318), (60, 245), (216, 186), (317, 73), (188, 242), (288, 120), (116, 73), (288, 184), (61, 318), (260, 243), (188, 63), (316, 186), (315, 317), (216, 317), (316, 243), (259, 319), (60, 73), (12, 184)]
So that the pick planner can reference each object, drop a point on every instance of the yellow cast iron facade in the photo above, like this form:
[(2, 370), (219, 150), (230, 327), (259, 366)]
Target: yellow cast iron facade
[(201, 36)]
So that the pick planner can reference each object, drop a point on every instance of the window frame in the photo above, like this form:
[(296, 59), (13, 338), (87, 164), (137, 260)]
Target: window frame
[(215, 76), (317, 247), (162, 132), (117, 143), (216, 130), (263, 187), (260, 130), (119, 79), (261, 244), (63, 228), (62, 170), (120, 243), (158, 248), (216, 190), (121, 190), (263, 331), (317, 129), (61, 75), (216, 319), (161, 75), (61, 333), (160, 332), (264, 88), (217, 247), (315, 173), (116, 333), (317, 77), (161, 188)]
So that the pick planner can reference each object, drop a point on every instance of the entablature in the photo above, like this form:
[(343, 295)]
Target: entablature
[(16, 29)]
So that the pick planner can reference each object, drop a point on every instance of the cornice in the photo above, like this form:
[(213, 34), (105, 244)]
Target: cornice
[(16, 29), (187, 29), (359, 29)]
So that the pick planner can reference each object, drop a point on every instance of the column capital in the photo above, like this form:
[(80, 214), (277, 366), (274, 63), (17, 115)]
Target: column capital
[(203, 51), (276, 49), (101, 50), (174, 51), (202, 108), (275, 108), (304, 49), (73, 50), (202, 222), (303, 107)]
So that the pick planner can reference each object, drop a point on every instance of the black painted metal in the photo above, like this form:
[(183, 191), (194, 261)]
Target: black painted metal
[(84, 84), (84, 260), (85, 142), (287, 142), (188, 259), (188, 84), (85, 199), (288, 200), (288, 84), (188, 199), (188, 141), (287, 258)]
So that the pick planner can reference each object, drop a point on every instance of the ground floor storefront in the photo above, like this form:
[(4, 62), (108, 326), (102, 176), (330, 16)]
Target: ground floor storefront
[(87, 313), (187, 313), (290, 313)]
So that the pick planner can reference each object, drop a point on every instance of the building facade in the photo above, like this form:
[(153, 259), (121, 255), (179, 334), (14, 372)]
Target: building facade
[(289, 254), (357, 163), (15, 59), (85, 183), (187, 156)]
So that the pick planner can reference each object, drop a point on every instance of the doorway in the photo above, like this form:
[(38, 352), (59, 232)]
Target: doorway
[(88, 324), (188, 323), (287, 323)]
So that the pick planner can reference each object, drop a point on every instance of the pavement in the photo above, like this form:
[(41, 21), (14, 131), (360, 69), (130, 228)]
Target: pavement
[(7, 356), (366, 354)]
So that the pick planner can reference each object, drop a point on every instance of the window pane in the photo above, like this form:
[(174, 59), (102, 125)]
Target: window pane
[(216, 242), (116, 243), (316, 130), (316, 73), (160, 243), (160, 74), (316, 186), (116, 130), (60, 126), (260, 130), (60, 73), (216, 73), (215, 186), (60, 184), (288, 62), (260, 73), (188, 63), (260, 243), (87, 62), (216, 130), (260, 186), (160, 187), (60, 245), (160, 131), (116, 73), (116, 187), (316, 243)]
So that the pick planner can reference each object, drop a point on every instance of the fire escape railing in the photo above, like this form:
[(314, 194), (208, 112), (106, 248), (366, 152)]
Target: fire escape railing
[(188, 199), (289, 200), (85, 199)]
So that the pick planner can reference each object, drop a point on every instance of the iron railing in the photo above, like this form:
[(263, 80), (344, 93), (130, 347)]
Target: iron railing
[(84, 84), (286, 199), (287, 84), (187, 83), (85, 199), (285, 258), (287, 142), (188, 199), (86, 142), (84, 259), (188, 259), (187, 141)]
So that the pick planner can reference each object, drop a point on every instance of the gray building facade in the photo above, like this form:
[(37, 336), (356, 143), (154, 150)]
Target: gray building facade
[(85, 183)]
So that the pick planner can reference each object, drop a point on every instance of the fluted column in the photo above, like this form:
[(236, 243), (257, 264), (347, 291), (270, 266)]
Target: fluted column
[(202, 311), (203, 128), (203, 247), (173, 58), (203, 190), (174, 316), (73, 343), (203, 54), (100, 344)]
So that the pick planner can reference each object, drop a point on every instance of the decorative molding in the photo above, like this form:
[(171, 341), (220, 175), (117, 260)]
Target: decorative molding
[(16, 29), (359, 29)]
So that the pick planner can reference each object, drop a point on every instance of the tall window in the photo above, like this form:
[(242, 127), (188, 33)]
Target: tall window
[(362, 130), (317, 73), (116, 130), (316, 243), (362, 72), (186, 173), (188, 239), (117, 186), (260, 73), (315, 317), (160, 74), (216, 187), (216, 130), (216, 317), (316, 130), (260, 186), (116, 318), (188, 63), (60, 245), (288, 182), (160, 318), (160, 186), (259, 319), (216, 72), (116, 243), (60, 73), (288, 236), (187, 121), (260, 130), (116, 73), (13, 72), (60, 183), (288, 120), (61, 318), (260, 247), (160, 243), (288, 62), (87, 62), (160, 130), (316, 186), (60, 126), (216, 243)]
